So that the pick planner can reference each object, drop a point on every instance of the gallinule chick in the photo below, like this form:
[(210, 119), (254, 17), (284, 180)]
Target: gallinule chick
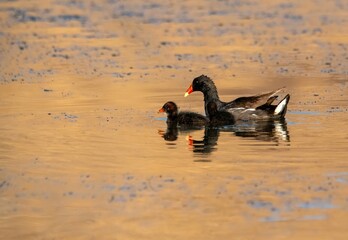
[(174, 117), (219, 118), (262, 101)]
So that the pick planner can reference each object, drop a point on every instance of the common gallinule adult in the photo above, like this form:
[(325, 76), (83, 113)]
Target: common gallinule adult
[(258, 106)]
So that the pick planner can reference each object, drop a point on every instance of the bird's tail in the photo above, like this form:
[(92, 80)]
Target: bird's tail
[(281, 108)]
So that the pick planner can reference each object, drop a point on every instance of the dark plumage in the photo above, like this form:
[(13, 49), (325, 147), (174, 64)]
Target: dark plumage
[(174, 117), (219, 118), (262, 102)]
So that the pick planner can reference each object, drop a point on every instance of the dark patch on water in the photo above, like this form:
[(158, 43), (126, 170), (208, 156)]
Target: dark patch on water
[(67, 116), (70, 116), (184, 57), (315, 203), (260, 204), (65, 56), (178, 19), (21, 15), (293, 17), (218, 12), (69, 193), (130, 14), (202, 160), (328, 70), (121, 75), (22, 45), (68, 18), (4, 183)]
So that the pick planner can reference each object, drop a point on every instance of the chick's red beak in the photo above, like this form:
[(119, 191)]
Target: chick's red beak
[(161, 110), (188, 91)]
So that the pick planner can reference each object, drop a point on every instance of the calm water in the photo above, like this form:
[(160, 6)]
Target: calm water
[(84, 154)]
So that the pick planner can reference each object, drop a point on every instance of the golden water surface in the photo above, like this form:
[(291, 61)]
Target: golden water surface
[(84, 154)]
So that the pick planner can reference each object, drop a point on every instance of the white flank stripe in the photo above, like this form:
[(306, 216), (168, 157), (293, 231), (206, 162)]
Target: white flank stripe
[(248, 109)]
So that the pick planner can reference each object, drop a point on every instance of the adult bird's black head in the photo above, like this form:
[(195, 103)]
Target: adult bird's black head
[(203, 84)]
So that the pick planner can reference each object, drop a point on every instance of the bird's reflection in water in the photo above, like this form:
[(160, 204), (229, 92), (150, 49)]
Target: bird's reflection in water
[(269, 131), (209, 142), (170, 135), (274, 131)]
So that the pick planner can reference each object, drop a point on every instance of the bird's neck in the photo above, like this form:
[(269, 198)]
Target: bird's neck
[(172, 116), (211, 95)]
